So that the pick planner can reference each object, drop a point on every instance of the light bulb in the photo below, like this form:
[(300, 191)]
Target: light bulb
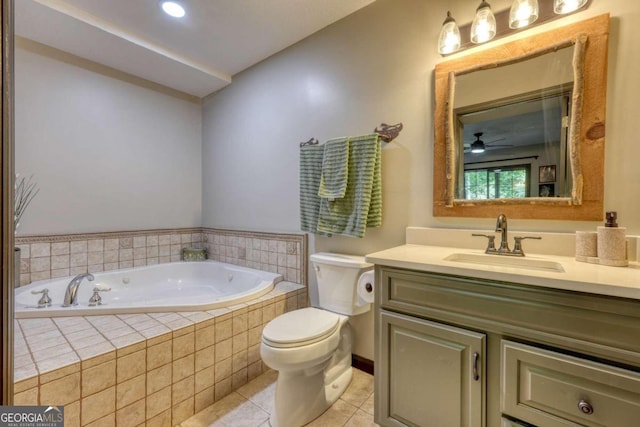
[(567, 6), (172, 8), (449, 40), (483, 27), (523, 13)]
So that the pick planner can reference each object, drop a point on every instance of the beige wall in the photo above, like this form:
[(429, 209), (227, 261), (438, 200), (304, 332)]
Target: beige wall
[(107, 154), (376, 66)]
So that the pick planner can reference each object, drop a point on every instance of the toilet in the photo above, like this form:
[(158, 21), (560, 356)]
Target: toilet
[(311, 347)]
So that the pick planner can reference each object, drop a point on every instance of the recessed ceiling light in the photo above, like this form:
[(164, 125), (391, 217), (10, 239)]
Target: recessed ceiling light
[(173, 9)]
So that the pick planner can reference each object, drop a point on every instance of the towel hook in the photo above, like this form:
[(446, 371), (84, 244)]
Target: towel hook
[(312, 141), (388, 132)]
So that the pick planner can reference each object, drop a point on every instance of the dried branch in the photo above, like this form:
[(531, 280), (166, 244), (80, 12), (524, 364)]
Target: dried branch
[(25, 191)]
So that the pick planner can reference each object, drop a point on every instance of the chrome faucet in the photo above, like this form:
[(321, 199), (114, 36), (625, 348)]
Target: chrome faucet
[(71, 295), (501, 226)]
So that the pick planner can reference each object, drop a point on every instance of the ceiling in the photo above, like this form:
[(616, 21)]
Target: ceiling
[(197, 54)]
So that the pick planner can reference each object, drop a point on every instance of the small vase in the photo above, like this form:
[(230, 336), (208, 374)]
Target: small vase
[(16, 267)]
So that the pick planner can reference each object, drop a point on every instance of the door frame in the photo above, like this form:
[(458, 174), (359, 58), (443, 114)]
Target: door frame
[(7, 178)]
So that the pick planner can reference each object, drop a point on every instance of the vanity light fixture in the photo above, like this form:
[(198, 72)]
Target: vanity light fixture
[(523, 13), (449, 40), (483, 27), (567, 6), (173, 8), (486, 25)]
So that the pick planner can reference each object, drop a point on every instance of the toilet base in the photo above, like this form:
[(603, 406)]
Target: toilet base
[(300, 399)]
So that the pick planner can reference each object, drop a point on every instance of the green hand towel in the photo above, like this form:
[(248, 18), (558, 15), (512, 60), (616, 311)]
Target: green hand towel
[(361, 206), (310, 171), (333, 182)]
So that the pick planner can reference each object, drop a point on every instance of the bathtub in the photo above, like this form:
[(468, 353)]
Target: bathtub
[(177, 286)]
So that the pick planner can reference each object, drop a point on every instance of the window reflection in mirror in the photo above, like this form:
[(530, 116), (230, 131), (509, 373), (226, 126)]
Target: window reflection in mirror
[(511, 122)]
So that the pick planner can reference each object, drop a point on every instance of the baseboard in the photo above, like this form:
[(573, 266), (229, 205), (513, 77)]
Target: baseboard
[(361, 363)]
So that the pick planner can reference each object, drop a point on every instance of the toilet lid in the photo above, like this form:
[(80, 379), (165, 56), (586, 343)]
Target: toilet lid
[(300, 327)]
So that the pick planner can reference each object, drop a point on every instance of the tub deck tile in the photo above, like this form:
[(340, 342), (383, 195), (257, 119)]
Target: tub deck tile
[(155, 331), (36, 326), (72, 324), (95, 350), (23, 373), (197, 316), (54, 363), (127, 340)]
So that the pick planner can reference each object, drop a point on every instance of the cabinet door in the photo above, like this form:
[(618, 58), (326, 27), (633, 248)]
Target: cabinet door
[(430, 374)]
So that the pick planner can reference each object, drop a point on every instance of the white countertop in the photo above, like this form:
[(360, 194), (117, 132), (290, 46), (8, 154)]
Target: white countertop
[(577, 276)]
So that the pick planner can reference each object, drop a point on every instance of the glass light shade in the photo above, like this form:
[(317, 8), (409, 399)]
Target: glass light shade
[(449, 40), (567, 6), (483, 27), (523, 13)]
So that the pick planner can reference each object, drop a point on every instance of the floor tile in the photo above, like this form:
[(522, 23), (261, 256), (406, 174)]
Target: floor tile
[(261, 391), (232, 411), (251, 405), (360, 388), (361, 419), (337, 415), (367, 406)]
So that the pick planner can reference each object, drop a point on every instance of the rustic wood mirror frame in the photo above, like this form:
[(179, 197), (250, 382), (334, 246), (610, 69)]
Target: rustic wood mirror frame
[(587, 128)]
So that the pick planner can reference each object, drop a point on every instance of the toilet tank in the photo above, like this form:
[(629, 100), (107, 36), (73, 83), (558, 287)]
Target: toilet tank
[(337, 276)]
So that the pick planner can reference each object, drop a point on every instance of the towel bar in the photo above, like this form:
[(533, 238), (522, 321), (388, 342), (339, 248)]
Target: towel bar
[(387, 134)]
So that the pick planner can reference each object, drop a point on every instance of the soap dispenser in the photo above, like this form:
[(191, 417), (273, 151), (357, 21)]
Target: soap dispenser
[(612, 243)]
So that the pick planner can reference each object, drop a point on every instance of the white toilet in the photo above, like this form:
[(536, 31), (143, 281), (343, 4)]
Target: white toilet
[(311, 347)]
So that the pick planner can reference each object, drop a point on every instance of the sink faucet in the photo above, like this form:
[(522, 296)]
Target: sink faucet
[(501, 226), (70, 296)]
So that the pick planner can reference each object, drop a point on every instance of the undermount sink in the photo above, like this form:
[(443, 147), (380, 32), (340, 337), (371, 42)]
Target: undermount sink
[(507, 261)]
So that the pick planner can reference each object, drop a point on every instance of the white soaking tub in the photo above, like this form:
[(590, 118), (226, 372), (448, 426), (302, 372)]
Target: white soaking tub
[(177, 286)]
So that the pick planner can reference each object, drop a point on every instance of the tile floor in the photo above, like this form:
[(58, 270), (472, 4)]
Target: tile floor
[(251, 405)]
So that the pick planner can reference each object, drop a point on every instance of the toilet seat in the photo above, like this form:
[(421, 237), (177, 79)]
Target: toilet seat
[(300, 327)]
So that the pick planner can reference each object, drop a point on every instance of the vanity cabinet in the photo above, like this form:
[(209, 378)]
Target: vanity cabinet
[(543, 356), (434, 373)]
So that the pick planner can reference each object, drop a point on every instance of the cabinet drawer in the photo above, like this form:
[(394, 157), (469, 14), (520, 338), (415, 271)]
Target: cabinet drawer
[(553, 389)]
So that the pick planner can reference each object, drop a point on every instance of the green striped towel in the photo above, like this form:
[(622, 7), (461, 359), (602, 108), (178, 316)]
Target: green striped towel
[(361, 206), (310, 170), (333, 181)]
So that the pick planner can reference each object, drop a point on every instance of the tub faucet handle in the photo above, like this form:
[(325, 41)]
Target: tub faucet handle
[(96, 299), (45, 300)]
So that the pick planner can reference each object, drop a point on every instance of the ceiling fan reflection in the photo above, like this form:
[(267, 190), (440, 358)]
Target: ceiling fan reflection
[(479, 146)]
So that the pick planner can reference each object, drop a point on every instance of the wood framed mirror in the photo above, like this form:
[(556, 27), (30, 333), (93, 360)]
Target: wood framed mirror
[(478, 96)]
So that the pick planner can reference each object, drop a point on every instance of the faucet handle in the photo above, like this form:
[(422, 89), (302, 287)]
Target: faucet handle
[(45, 300), (96, 299), (517, 248), (491, 243)]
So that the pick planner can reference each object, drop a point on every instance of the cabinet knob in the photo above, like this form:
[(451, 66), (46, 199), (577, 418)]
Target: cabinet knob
[(585, 407)]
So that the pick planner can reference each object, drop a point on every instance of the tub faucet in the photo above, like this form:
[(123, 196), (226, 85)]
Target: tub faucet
[(71, 295), (501, 226)]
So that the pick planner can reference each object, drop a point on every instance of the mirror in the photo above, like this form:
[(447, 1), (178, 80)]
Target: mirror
[(506, 134), (516, 125)]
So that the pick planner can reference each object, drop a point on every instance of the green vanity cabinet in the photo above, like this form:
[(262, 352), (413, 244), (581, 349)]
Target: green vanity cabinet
[(459, 351), (434, 375)]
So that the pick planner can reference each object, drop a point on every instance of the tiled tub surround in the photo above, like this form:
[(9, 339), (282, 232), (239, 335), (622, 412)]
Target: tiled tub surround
[(157, 368), (49, 257)]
